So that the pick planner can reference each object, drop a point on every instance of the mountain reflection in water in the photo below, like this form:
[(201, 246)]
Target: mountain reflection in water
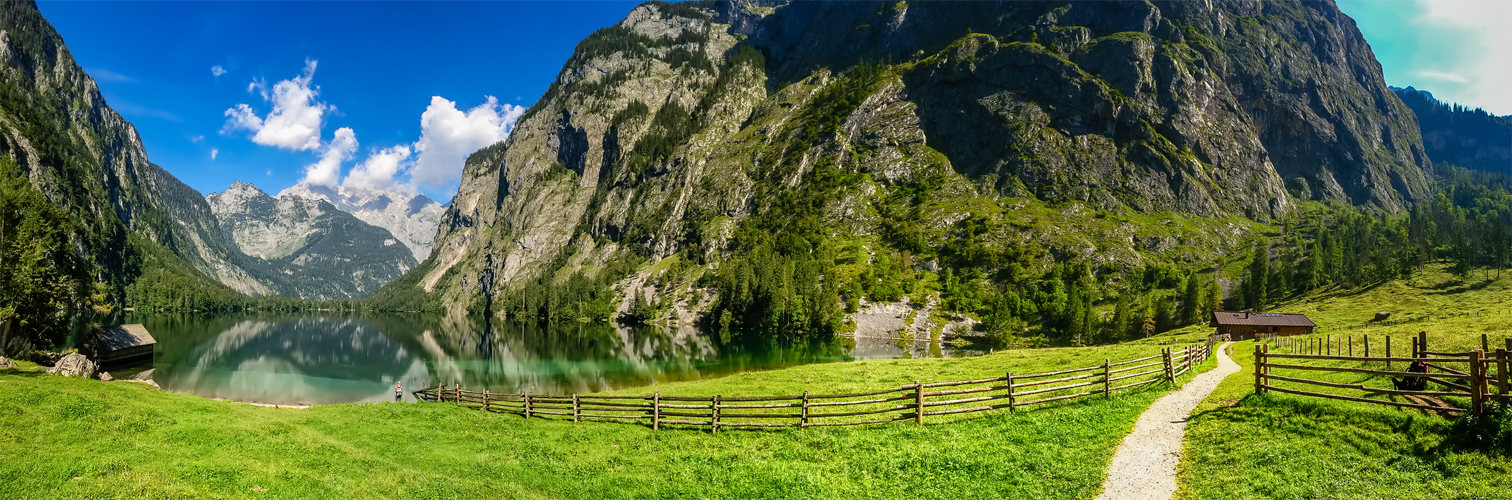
[(305, 359)]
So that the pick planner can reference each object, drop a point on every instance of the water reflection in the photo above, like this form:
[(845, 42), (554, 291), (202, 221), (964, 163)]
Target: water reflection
[(302, 359)]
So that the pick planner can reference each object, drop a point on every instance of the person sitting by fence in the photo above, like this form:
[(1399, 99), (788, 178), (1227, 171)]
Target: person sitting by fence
[(1412, 383)]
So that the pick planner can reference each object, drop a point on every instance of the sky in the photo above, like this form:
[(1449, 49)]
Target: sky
[(383, 94), (1460, 50), (396, 94)]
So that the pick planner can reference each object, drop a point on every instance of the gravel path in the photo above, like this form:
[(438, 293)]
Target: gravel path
[(1144, 467)]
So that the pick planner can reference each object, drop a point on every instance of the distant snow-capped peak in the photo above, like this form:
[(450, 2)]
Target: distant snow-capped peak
[(411, 217)]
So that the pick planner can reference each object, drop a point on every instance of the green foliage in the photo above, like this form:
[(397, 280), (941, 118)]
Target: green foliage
[(44, 282), (559, 296)]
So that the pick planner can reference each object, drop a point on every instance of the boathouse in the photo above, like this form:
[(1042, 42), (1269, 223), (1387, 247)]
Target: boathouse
[(123, 344), (1245, 325)]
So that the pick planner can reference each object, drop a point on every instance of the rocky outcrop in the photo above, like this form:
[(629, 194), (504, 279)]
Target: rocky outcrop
[(1117, 132), (73, 365), (6, 362)]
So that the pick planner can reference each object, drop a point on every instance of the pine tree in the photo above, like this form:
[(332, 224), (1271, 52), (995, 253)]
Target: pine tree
[(1255, 282), (1191, 301)]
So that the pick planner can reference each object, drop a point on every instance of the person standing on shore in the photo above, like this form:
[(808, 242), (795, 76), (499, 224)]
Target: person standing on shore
[(398, 391)]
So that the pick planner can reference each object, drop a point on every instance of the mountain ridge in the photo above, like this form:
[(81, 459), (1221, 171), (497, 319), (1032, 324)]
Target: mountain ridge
[(721, 131)]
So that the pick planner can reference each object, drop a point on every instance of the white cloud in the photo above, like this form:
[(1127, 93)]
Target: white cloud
[(379, 170), (217, 70), (448, 135), (294, 123), (213, 153), (327, 171), (1480, 75), (105, 75), (1443, 76)]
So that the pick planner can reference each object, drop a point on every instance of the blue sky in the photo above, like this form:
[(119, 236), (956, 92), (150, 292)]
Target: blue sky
[(379, 65), (365, 75)]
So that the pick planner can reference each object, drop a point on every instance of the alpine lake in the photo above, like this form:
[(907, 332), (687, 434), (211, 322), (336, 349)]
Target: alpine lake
[(310, 359)]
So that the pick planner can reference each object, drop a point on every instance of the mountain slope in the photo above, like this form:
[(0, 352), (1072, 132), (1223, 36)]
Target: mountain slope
[(410, 217), (306, 248), (1457, 135), (861, 139), (90, 161)]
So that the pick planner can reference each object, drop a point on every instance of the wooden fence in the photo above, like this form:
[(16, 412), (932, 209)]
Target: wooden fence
[(1477, 376), (908, 402)]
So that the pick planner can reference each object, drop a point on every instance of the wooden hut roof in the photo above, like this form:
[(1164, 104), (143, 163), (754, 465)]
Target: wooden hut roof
[(1241, 318), (115, 338)]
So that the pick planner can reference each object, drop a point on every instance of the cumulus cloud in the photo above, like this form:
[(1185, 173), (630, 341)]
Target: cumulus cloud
[(213, 153), (379, 170), (217, 70), (294, 123), (327, 171), (448, 135)]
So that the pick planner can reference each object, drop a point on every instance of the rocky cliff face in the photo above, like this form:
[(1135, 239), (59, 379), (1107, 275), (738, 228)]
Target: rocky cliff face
[(306, 248), (410, 217), (1117, 132)]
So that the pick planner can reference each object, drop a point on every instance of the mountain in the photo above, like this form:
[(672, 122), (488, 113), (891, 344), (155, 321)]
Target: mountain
[(1456, 135), (134, 218), (306, 248), (158, 242), (411, 217), (853, 140)]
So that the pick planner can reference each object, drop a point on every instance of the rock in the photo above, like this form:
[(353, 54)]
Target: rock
[(6, 363), (105, 377), (1381, 316), (73, 365)]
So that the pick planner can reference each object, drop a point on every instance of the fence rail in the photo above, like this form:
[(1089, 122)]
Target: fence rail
[(1476, 377), (907, 402)]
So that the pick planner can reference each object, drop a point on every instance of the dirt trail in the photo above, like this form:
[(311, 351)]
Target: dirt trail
[(1144, 467)]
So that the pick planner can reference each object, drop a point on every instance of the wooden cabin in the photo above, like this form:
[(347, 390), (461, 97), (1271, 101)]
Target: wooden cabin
[(123, 344), (1245, 325)]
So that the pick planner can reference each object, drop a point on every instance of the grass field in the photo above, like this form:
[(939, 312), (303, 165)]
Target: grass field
[(1240, 445), (72, 438)]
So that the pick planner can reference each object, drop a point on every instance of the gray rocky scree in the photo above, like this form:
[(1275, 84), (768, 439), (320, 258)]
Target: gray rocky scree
[(74, 365)]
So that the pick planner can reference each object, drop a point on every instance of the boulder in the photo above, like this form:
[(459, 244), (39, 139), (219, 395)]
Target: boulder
[(73, 365), (105, 377), (1381, 316), (6, 363)]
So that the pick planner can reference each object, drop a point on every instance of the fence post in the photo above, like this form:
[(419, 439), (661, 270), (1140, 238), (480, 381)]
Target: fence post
[(1259, 368), (1501, 370), (1484, 346), (1106, 384), (1328, 348), (804, 422), (1367, 345), (1388, 352), (1478, 382), (527, 403), (655, 410), (485, 399), (1010, 389), (1170, 371), (1351, 346), (577, 409), (459, 394), (714, 414), (919, 402)]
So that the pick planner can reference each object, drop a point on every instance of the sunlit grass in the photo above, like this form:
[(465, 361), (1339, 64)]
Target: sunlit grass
[(72, 438)]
